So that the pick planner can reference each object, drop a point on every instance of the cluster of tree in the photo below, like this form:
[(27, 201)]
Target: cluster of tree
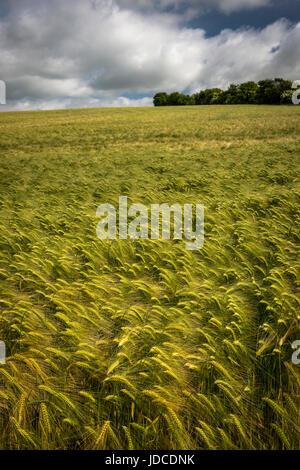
[(269, 91)]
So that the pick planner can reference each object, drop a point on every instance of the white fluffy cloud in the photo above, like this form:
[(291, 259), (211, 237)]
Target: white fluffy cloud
[(95, 53)]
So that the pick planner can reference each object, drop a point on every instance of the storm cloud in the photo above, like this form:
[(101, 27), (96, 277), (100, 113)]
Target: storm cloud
[(77, 53)]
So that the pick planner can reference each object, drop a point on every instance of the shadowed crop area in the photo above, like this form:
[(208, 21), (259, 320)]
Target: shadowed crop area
[(142, 344)]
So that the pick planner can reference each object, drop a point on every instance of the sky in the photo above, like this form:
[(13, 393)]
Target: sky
[(57, 54)]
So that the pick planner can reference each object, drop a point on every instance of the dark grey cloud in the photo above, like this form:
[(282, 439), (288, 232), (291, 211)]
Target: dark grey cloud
[(101, 52), (201, 5)]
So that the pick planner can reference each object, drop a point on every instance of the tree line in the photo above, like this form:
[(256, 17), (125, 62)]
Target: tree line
[(269, 91)]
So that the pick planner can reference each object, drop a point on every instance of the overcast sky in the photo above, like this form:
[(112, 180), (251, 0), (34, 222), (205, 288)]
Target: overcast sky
[(91, 53)]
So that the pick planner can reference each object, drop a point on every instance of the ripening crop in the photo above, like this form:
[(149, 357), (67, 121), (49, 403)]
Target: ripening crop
[(123, 344)]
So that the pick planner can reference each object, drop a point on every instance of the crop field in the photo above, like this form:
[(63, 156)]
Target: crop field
[(123, 344)]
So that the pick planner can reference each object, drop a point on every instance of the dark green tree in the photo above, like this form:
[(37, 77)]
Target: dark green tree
[(209, 96), (270, 91), (247, 93), (160, 99), (286, 97)]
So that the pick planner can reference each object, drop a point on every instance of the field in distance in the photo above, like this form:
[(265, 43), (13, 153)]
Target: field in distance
[(143, 344)]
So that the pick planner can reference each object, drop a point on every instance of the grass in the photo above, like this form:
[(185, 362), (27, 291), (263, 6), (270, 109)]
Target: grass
[(142, 344)]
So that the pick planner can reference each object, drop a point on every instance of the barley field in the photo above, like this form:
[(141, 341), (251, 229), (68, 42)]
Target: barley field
[(143, 344)]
